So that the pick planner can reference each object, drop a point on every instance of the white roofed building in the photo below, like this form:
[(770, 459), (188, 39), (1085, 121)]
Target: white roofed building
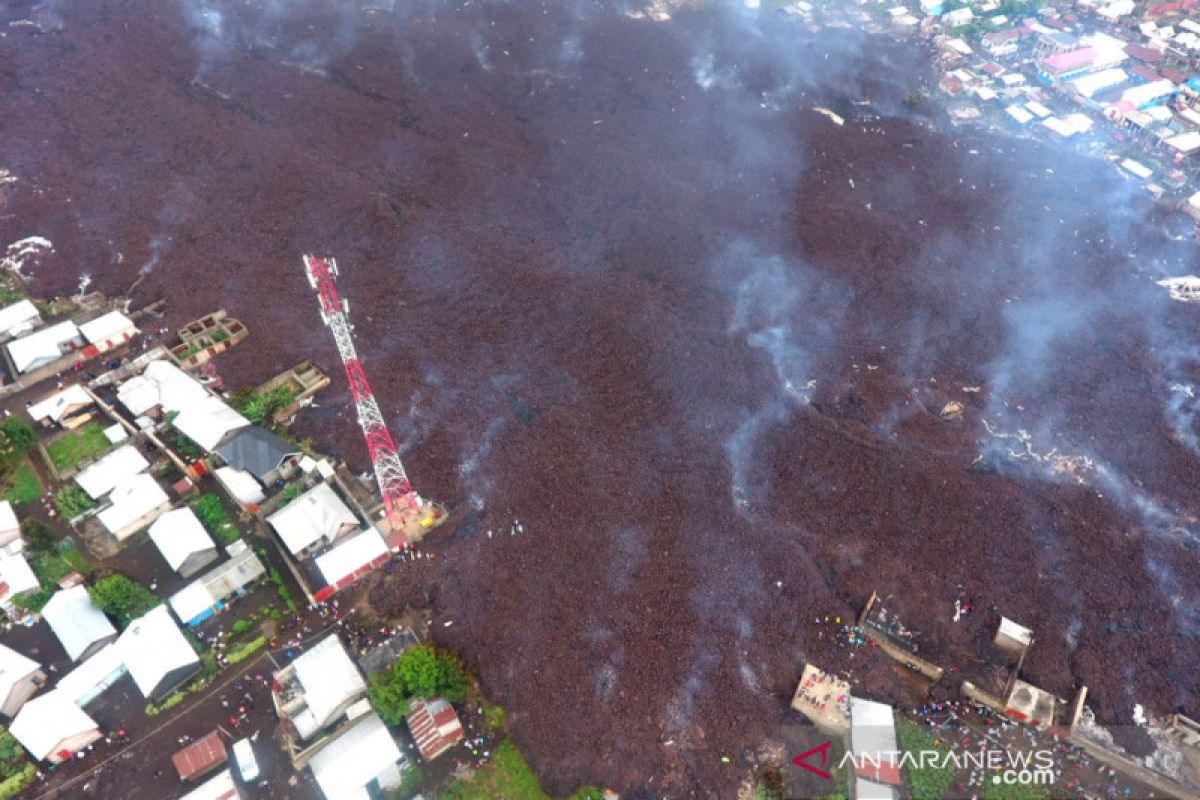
[(80, 626), (353, 558), (45, 346), (873, 744), (157, 654), (241, 486), (363, 758), (135, 504), (108, 331), (115, 468), (317, 688), (63, 407), (183, 542), (16, 578), (162, 385), (52, 728), (218, 787), (211, 592), (10, 529), (314, 519), (18, 319), (98, 672), (209, 422), (20, 677)]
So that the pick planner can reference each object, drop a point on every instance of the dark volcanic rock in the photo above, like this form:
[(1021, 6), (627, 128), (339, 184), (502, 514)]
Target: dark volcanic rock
[(615, 280)]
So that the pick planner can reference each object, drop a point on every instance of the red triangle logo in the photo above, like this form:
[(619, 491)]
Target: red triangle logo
[(802, 760)]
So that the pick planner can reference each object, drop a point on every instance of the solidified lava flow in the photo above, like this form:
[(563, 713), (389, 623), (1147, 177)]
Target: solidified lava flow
[(615, 278)]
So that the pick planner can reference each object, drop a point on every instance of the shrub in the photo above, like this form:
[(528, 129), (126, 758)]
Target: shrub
[(71, 501), (245, 651), (290, 493), (39, 537), (212, 514), (241, 626), (16, 435)]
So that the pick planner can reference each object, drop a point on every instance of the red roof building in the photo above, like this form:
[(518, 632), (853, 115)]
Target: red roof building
[(1143, 53), (434, 727), (200, 757)]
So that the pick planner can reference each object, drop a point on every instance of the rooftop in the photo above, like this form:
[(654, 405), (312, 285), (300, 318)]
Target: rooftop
[(178, 534), (345, 767), (76, 621), (316, 514), (118, 466), (47, 721), (153, 647)]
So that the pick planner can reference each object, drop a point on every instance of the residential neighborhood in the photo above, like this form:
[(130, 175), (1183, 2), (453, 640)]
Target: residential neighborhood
[(168, 563)]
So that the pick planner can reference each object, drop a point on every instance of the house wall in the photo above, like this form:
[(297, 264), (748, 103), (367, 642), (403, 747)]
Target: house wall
[(197, 561), (172, 681), (73, 744), (138, 524), (95, 647), (21, 691)]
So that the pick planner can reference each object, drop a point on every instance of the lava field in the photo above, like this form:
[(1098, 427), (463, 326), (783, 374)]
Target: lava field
[(667, 311)]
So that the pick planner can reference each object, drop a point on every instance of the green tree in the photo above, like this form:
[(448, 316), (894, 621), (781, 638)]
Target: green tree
[(262, 407), (16, 434), (388, 696), (425, 671), (124, 599), (39, 537)]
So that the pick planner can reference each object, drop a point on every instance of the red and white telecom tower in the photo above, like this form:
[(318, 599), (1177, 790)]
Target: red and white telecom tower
[(406, 510)]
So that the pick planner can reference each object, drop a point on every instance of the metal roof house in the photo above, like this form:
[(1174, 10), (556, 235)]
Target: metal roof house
[(52, 728), (157, 654), (68, 407), (317, 688), (104, 475), (45, 346), (434, 727), (200, 757), (20, 677), (218, 787), (135, 504), (314, 519), (18, 318), (10, 529), (873, 742), (256, 450), (183, 542), (80, 626), (98, 672), (211, 592), (362, 758), (108, 331), (351, 559), (16, 578)]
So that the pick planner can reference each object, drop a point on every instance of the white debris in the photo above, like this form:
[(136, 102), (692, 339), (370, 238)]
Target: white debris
[(1185, 289), (837, 118)]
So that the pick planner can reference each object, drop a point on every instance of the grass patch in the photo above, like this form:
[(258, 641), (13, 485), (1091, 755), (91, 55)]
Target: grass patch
[(123, 598), (22, 484), (930, 780), (211, 512), (1002, 791), (67, 451), (507, 777), (50, 567)]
